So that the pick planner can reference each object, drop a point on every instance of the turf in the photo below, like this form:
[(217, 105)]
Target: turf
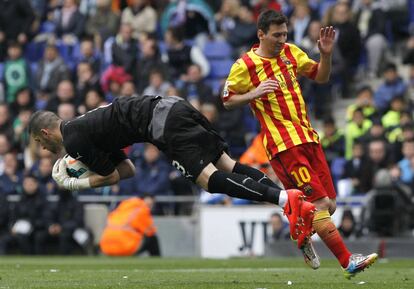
[(249, 273)]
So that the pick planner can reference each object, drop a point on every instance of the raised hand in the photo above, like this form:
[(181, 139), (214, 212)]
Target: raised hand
[(326, 40)]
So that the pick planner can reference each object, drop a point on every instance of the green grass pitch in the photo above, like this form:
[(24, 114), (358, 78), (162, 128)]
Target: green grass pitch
[(148, 273)]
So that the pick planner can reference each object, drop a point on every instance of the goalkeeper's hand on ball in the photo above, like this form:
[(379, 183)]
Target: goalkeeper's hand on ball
[(63, 180)]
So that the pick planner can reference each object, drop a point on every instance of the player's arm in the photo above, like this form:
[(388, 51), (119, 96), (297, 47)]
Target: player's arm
[(325, 45), (264, 87), (238, 89)]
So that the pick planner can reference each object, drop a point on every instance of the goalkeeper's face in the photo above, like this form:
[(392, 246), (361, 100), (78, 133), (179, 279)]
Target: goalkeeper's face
[(49, 141)]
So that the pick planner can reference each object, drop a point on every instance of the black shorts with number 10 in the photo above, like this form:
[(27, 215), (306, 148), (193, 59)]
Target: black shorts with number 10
[(191, 141)]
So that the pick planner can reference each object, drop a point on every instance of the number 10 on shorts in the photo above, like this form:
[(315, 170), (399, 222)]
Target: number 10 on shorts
[(301, 176)]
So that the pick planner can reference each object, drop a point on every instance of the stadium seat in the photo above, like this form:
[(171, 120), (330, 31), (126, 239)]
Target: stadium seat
[(220, 68), (217, 50)]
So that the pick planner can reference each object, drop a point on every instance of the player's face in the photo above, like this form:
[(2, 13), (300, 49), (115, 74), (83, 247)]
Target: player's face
[(48, 141), (275, 38)]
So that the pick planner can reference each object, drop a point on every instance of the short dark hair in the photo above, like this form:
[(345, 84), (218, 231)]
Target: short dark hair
[(269, 17), (42, 119)]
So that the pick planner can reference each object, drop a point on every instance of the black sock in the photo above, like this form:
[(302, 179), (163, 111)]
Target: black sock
[(255, 174), (241, 186)]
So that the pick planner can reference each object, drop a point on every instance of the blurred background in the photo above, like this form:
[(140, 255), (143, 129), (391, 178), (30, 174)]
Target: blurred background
[(72, 56)]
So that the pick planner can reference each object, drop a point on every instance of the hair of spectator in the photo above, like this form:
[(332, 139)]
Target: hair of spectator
[(269, 17), (177, 33), (42, 119)]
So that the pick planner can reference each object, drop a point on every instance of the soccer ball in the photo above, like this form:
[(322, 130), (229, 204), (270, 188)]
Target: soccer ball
[(75, 168)]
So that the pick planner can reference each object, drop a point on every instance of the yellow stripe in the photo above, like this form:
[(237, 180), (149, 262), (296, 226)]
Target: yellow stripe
[(274, 132), (320, 215)]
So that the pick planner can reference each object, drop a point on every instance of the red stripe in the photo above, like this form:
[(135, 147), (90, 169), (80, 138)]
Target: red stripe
[(292, 59), (282, 104), (295, 98), (251, 67)]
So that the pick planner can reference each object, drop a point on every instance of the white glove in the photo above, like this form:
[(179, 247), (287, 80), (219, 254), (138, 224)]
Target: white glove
[(62, 178)]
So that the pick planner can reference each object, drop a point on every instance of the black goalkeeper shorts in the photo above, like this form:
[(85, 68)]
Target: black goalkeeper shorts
[(190, 140)]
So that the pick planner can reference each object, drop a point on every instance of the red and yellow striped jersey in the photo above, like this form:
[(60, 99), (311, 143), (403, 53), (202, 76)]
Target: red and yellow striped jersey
[(282, 114)]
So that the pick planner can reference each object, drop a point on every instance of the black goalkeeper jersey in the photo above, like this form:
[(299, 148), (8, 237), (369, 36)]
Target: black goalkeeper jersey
[(97, 137)]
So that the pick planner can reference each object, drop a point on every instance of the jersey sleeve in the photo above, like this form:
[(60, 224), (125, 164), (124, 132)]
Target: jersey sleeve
[(306, 66), (95, 159), (237, 82)]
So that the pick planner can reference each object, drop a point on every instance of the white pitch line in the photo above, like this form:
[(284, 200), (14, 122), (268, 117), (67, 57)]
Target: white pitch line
[(200, 270)]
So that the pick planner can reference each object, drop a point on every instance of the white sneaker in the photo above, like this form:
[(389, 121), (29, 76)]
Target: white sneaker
[(357, 263), (310, 255)]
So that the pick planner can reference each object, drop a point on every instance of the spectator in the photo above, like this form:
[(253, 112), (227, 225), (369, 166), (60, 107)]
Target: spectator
[(27, 218), (42, 170), (332, 140), (378, 158), (351, 181), (70, 23), (103, 24), (25, 100), (371, 22), (180, 55), (16, 72), (280, 229), (347, 228), (392, 86), (16, 18), (263, 5), (12, 177), (391, 119), (65, 93), (94, 99), (157, 84), (375, 132), (227, 15), (21, 135), (63, 221), (6, 127), (348, 43), (195, 16), (130, 229), (243, 35), (406, 133), (404, 165), (51, 71), (365, 101), (125, 50), (128, 88), (152, 177), (355, 129), (66, 111), (150, 59), (299, 22), (87, 80), (317, 95), (193, 88), (89, 54), (141, 16)]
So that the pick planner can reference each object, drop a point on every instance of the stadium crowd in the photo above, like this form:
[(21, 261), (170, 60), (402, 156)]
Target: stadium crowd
[(72, 56)]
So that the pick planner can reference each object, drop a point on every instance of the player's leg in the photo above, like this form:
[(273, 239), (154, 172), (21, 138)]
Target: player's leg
[(235, 185), (227, 164), (317, 184), (326, 229), (290, 200)]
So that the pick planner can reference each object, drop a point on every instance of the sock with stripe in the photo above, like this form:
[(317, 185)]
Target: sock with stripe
[(255, 174), (242, 187), (326, 229)]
